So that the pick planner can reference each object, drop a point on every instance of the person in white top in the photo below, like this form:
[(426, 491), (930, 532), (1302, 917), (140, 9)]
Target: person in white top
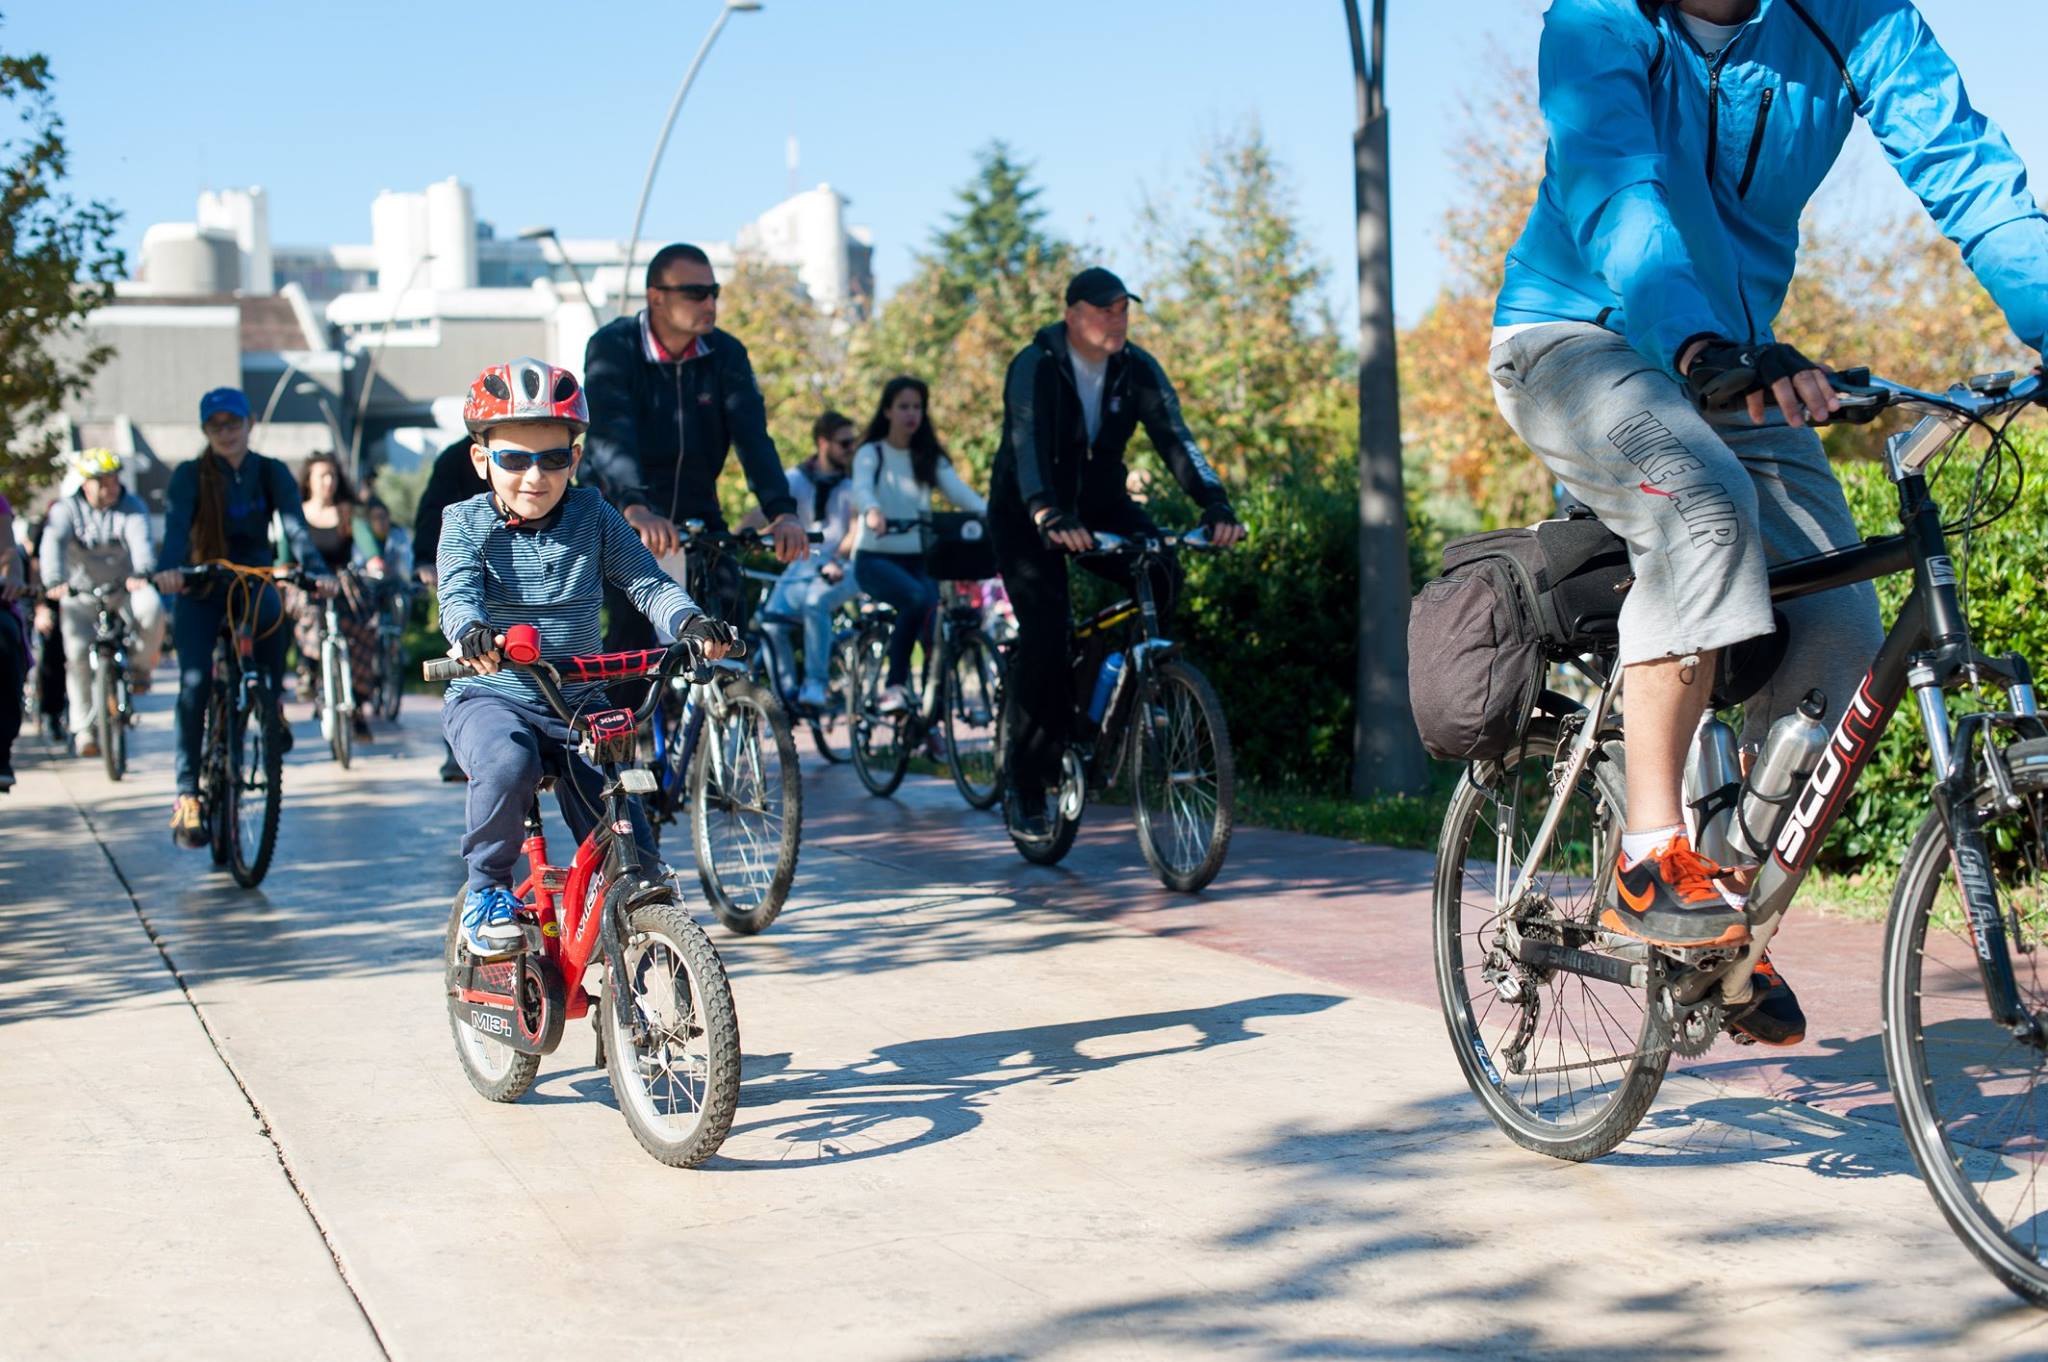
[(894, 475), (813, 588)]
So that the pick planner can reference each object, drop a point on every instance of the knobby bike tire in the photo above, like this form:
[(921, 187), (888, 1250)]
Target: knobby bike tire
[(657, 933), (881, 756), (1934, 1002), (496, 1070), (1064, 804), (1192, 863), (981, 786), (256, 755), (742, 905), (1567, 1125)]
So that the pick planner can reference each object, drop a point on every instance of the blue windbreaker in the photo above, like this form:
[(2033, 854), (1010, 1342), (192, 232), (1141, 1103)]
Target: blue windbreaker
[(1672, 186)]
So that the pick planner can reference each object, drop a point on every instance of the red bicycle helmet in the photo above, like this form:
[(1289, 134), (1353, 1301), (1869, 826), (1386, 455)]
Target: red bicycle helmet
[(525, 390)]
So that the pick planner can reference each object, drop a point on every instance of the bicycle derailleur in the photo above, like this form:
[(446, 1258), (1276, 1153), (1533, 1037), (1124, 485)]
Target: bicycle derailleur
[(1515, 981)]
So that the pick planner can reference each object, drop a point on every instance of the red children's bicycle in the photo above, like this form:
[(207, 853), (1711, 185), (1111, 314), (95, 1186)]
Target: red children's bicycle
[(667, 1028)]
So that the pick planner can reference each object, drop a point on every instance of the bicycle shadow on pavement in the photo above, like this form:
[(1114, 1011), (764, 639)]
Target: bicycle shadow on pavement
[(904, 1096)]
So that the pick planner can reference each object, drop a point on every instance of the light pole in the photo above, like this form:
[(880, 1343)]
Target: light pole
[(548, 234), (355, 433), (276, 391), (725, 11), (1386, 756)]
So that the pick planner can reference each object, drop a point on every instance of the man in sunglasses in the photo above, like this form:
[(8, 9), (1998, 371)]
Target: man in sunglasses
[(670, 396)]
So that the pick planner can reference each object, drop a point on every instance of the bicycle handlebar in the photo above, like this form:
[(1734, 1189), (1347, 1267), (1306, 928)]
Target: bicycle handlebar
[(1865, 396), (1131, 546), (522, 650), (696, 531)]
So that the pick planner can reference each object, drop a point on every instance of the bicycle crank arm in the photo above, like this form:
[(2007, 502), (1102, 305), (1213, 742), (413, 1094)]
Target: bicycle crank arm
[(1570, 959)]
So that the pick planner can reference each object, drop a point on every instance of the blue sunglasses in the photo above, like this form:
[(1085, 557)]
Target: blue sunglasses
[(519, 460)]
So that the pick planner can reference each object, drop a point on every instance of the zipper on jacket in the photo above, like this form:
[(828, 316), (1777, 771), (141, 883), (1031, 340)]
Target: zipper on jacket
[(1756, 142), (1714, 112)]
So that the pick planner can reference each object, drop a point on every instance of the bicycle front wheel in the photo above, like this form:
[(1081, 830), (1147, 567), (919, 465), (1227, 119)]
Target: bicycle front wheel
[(974, 697), (110, 729), (830, 728), (1565, 1063), (1182, 776), (336, 714), (880, 754), (672, 1036), (216, 752), (746, 808), (1972, 1097), (391, 680), (255, 786)]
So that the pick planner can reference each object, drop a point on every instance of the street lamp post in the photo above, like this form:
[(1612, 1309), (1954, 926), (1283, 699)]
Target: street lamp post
[(549, 234), (725, 11), (355, 434), (1386, 754)]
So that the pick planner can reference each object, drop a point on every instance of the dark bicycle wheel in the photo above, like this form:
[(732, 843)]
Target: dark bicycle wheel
[(1565, 1063), (829, 726), (746, 808), (1182, 776), (973, 700), (1973, 1097), (255, 784), (880, 754), (216, 777), (336, 713), (391, 677), (109, 715)]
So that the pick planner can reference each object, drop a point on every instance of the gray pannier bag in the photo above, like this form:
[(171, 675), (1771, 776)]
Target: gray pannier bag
[(1509, 602)]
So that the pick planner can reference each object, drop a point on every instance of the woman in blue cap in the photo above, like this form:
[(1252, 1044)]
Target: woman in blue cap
[(219, 510)]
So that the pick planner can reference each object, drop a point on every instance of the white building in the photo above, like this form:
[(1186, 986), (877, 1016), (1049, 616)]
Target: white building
[(375, 343)]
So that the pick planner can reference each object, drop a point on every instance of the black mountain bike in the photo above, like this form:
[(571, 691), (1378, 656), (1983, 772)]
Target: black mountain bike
[(723, 751), (113, 701), (1564, 1029), (1160, 722), (958, 695), (241, 747)]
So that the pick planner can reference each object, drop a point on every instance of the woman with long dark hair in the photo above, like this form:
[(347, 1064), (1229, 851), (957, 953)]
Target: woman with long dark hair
[(218, 510), (340, 530), (896, 470)]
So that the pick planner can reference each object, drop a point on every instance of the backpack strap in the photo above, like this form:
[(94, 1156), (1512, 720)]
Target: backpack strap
[(1834, 52), (1649, 9)]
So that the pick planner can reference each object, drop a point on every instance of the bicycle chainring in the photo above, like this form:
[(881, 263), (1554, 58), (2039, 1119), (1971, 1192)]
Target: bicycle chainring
[(1693, 1029)]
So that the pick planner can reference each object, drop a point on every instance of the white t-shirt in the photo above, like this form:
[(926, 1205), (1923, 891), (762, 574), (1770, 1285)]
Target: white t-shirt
[(1711, 37), (1088, 379)]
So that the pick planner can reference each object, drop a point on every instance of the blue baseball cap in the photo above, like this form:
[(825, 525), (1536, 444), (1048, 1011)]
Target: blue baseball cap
[(230, 400)]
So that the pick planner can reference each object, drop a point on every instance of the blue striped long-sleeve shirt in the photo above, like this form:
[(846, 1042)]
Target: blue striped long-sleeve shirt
[(549, 574)]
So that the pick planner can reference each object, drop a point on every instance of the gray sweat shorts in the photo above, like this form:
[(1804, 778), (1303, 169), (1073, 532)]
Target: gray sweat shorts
[(1704, 505)]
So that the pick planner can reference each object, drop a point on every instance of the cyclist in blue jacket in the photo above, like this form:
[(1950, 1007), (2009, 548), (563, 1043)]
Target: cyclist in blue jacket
[(1685, 139)]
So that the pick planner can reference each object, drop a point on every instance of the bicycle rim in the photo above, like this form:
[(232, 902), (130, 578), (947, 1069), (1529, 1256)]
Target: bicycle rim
[(747, 809), (1181, 777), (1564, 1063), (1973, 1098), (829, 726), (973, 700), (672, 1038)]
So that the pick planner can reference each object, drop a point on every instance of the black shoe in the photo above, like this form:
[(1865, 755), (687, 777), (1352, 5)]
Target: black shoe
[(361, 728), (1772, 1016), (1028, 815), (6, 774), (284, 738), (1669, 899), (452, 772)]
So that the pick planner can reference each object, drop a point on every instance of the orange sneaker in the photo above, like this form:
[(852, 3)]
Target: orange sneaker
[(1669, 899)]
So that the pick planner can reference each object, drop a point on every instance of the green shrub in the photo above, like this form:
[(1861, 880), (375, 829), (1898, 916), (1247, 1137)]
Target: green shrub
[(2007, 574)]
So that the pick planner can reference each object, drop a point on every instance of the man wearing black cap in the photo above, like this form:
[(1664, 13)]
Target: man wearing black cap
[(1071, 402)]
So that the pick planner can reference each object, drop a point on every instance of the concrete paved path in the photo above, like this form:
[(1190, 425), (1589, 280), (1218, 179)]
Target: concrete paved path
[(990, 1111)]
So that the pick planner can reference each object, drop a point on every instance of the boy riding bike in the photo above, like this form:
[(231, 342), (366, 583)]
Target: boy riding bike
[(533, 551), (1633, 352)]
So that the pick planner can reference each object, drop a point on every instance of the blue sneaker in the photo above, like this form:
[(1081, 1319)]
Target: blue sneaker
[(489, 928)]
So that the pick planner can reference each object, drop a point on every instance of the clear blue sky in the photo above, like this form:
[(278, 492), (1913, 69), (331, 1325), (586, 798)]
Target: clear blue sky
[(550, 110)]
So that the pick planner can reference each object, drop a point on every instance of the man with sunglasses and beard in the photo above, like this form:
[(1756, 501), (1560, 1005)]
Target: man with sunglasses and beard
[(671, 396)]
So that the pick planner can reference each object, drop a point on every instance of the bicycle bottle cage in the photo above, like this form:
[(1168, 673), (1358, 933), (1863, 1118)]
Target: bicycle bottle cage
[(610, 736)]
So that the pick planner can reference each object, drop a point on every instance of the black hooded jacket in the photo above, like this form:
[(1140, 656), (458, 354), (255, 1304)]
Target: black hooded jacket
[(1045, 459), (660, 431)]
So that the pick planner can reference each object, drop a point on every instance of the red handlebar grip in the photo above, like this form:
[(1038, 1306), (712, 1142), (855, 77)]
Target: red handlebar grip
[(522, 644)]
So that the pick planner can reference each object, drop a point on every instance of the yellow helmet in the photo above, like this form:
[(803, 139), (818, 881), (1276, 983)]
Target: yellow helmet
[(95, 462)]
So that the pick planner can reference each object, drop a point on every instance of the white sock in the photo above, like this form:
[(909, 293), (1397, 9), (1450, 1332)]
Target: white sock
[(1636, 845)]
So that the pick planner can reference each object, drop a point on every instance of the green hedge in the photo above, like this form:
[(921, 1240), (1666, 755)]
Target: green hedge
[(2007, 572)]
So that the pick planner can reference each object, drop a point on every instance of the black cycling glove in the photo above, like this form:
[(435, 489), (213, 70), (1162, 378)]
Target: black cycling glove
[(703, 629), (1219, 513), (1724, 372), (476, 641), (1059, 522)]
